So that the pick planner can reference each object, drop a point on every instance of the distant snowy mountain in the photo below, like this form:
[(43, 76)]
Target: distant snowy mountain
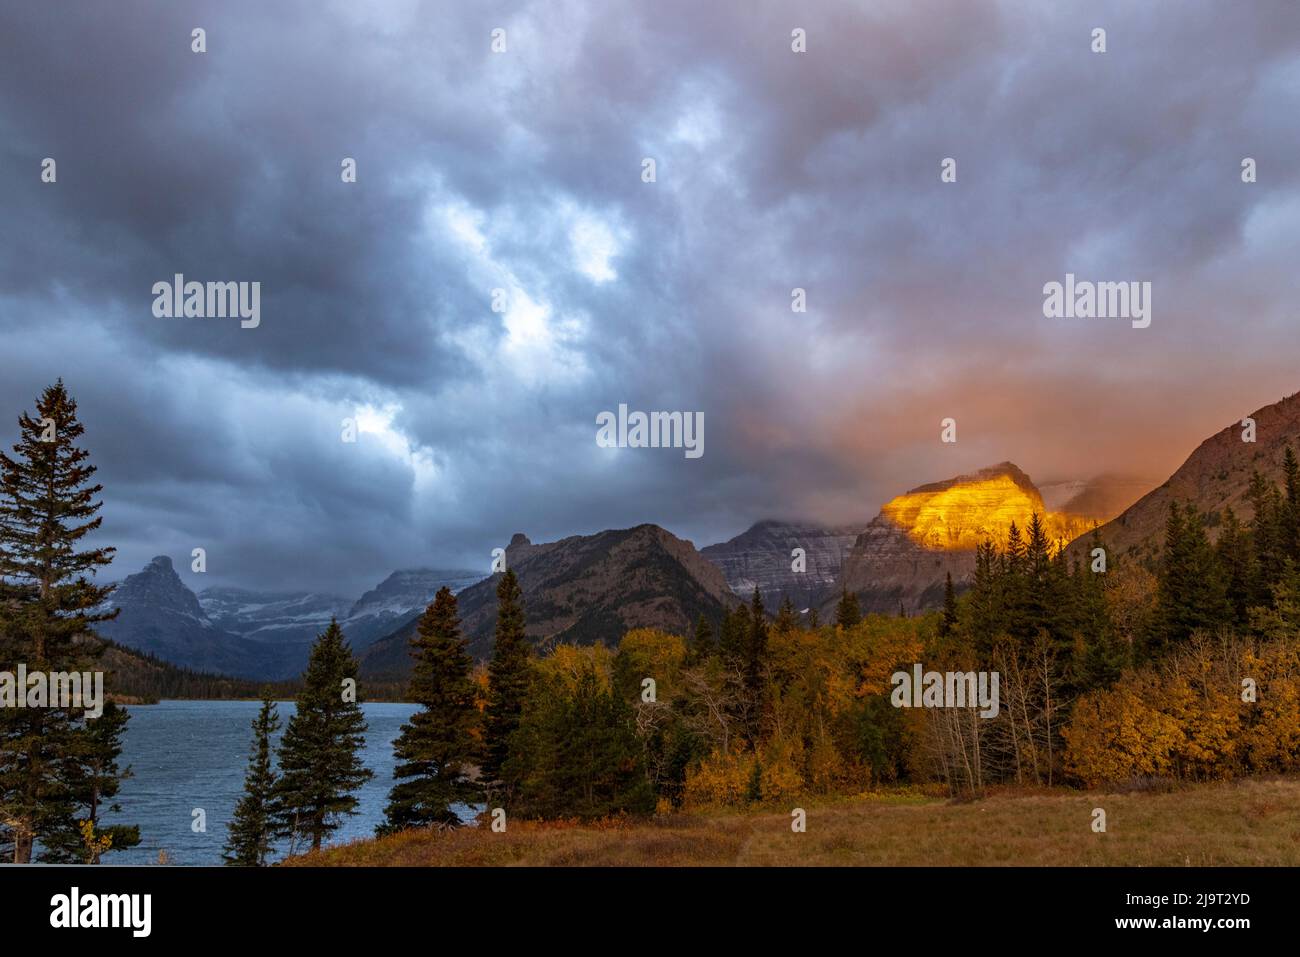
[(271, 616), (159, 615), (399, 597)]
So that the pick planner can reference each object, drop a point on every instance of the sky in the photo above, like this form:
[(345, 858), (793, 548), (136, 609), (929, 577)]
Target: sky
[(523, 171)]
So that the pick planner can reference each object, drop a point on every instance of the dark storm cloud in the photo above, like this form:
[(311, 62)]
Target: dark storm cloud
[(521, 171)]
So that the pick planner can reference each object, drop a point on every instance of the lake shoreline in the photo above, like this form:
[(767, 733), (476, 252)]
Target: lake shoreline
[(188, 758)]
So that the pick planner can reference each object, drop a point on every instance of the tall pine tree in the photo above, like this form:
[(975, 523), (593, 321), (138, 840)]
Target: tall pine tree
[(509, 673), (1191, 594), (437, 748), (948, 620), (47, 606), (755, 665), (320, 763), (251, 831)]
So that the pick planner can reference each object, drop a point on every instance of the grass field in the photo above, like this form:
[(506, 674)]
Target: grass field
[(1253, 822)]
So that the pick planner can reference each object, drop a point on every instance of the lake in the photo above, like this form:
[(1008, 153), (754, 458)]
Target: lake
[(193, 754)]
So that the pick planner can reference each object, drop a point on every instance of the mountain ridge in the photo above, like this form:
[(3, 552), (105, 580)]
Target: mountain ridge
[(584, 589), (1215, 477)]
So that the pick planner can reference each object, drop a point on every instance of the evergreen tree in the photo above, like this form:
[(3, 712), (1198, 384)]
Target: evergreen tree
[(1013, 589), (1289, 524), (1041, 603), (983, 600), (250, 833), (509, 674), (1103, 655), (93, 780), (1268, 537), (575, 752), (320, 761), (702, 646), (948, 620), (47, 606), (436, 748), (847, 612), (756, 667), (735, 633), (754, 787), (99, 778), (1190, 593), (787, 619), (1237, 562)]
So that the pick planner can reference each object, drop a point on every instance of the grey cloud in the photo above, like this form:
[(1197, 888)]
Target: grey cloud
[(776, 170)]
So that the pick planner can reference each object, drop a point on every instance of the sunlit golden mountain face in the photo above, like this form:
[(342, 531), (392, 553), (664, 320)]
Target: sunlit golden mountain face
[(962, 514)]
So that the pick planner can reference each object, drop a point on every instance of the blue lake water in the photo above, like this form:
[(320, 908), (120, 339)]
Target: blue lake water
[(193, 754)]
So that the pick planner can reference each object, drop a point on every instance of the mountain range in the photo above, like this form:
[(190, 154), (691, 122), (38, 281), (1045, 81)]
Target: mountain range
[(264, 635), (583, 589), (588, 588)]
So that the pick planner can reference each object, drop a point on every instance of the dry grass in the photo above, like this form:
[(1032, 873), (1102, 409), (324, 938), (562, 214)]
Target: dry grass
[(1254, 822)]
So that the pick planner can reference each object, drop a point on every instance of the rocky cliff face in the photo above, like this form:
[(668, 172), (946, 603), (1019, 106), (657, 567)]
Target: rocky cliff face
[(761, 557), (584, 589), (1215, 477), (888, 570)]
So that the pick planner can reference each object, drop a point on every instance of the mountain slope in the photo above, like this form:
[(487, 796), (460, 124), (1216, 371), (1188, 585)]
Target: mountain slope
[(761, 557), (1214, 477), (583, 589)]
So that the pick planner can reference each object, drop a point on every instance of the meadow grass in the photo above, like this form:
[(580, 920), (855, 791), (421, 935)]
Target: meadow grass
[(1250, 822)]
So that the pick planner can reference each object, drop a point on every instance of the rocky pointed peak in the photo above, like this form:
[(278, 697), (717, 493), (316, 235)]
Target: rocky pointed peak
[(158, 586)]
